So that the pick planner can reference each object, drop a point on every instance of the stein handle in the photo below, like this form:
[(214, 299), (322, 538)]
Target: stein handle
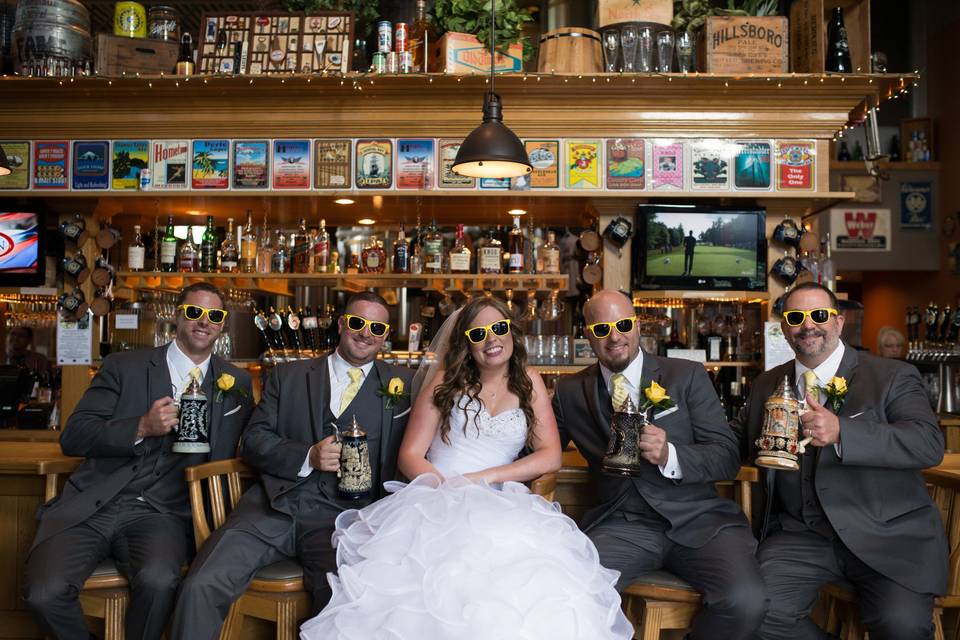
[(802, 445), (336, 438)]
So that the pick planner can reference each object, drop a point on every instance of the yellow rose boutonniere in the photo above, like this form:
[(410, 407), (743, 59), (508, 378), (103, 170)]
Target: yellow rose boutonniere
[(225, 384), (656, 398), (394, 391), (835, 392)]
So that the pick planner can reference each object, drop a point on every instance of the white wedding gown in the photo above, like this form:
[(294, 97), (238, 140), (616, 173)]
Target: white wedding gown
[(467, 561)]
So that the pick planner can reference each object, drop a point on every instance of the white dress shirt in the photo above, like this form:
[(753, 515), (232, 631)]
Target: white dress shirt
[(339, 379), (825, 371), (634, 374)]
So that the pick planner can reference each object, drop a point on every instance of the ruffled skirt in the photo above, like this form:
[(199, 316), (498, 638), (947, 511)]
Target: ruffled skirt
[(457, 559)]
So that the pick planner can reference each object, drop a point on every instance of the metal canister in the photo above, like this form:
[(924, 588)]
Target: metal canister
[(380, 62), (163, 23), (406, 61), (393, 62), (401, 37), (356, 476), (384, 36), (129, 19)]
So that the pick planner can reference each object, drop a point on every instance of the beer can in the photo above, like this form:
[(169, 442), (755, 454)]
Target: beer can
[(401, 37), (129, 19), (393, 62), (406, 61), (380, 62), (145, 179), (384, 36)]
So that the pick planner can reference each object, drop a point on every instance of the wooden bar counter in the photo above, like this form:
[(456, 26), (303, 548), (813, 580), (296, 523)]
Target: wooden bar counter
[(29, 473)]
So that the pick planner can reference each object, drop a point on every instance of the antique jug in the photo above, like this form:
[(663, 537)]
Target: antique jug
[(193, 432), (356, 477), (623, 455), (777, 446)]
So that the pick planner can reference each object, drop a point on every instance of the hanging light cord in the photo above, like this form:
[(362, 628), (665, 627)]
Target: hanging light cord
[(493, 44)]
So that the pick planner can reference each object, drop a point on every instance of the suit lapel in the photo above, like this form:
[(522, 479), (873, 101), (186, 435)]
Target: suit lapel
[(847, 370), (650, 372), (318, 394), (386, 413)]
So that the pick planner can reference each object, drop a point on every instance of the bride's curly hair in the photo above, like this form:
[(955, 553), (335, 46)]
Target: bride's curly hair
[(461, 376)]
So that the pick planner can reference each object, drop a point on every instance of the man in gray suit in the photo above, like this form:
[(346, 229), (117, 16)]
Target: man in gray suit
[(290, 441), (670, 516), (128, 500), (858, 510)]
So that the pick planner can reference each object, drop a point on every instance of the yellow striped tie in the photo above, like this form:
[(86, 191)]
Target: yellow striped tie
[(356, 377), (620, 394), (811, 384), (196, 374)]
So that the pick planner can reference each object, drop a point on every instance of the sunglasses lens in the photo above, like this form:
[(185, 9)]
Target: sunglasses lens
[(501, 328), (192, 312), (216, 316), (601, 330), (477, 334), (355, 323), (819, 316), (625, 325), (378, 328), (793, 318)]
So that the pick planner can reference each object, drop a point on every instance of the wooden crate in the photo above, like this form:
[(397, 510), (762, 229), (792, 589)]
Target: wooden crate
[(808, 33), (748, 44), (117, 55), (463, 53), (617, 11)]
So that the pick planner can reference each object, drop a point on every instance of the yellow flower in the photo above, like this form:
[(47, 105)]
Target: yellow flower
[(839, 385), (395, 387), (225, 382), (655, 393)]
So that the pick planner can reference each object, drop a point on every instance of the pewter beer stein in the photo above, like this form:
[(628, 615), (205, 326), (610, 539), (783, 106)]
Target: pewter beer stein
[(623, 455), (777, 446), (193, 432), (356, 477)]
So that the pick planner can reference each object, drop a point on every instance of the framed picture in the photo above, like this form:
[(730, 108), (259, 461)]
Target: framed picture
[(51, 164), (251, 164), (333, 161), (168, 164), (626, 168), (211, 164), (291, 164), (415, 163), (583, 161), (447, 154), (91, 165), (374, 160), (544, 155)]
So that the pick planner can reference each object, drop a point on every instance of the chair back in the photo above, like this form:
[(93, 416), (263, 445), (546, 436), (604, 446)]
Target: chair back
[(944, 485), (215, 489)]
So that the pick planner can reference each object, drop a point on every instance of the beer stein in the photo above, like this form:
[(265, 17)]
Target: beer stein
[(193, 431), (788, 232), (107, 237), (786, 269), (75, 229), (76, 267), (623, 455), (74, 303), (103, 272), (777, 446), (356, 476)]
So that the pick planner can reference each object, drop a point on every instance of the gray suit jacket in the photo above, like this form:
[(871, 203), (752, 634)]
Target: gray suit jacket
[(874, 496), (287, 422), (103, 429), (706, 450)]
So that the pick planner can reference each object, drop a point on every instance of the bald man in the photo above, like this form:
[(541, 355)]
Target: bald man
[(669, 516)]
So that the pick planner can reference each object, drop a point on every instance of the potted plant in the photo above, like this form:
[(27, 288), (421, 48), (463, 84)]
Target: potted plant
[(691, 15), (472, 17)]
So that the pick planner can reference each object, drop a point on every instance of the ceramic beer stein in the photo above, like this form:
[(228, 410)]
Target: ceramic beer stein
[(356, 476), (777, 446), (623, 455), (193, 432)]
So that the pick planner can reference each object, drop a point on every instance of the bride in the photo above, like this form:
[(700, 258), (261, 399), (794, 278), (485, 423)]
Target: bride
[(465, 551)]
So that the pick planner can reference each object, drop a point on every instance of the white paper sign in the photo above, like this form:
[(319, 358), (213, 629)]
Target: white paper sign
[(776, 349), (74, 341), (125, 321), (694, 355), (860, 229)]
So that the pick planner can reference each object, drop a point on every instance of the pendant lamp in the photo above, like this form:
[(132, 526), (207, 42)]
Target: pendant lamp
[(492, 150)]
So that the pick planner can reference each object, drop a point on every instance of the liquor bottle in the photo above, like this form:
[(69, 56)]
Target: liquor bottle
[(264, 250), (168, 248), (185, 65), (208, 248), (248, 250), (843, 152), (490, 254), (838, 47), (280, 261), (828, 272), (459, 254), (321, 249), (515, 245), (433, 250), (421, 37), (300, 254), (228, 251), (373, 257), (550, 254), (189, 261), (136, 252), (857, 151), (531, 247), (895, 149), (401, 253)]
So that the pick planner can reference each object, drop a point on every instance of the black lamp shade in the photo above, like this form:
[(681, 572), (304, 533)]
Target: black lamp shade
[(492, 150), (5, 168)]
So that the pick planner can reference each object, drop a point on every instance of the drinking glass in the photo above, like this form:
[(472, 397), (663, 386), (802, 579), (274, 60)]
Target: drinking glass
[(628, 45), (664, 51), (611, 48), (686, 51), (645, 44)]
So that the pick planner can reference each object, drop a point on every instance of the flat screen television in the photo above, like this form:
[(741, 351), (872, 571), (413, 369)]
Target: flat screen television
[(22, 256), (683, 247)]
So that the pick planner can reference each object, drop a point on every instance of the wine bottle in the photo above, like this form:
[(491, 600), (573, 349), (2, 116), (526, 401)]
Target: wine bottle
[(838, 47)]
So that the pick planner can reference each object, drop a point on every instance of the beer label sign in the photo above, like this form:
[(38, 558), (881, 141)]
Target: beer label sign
[(795, 165), (582, 170), (860, 229), (51, 163), (751, 165), (544, 155), (374, 164), (91, 168), (666, 159), (626, 163), (333, 164), (291, 164), (169, 160), (129, 158), (211, 164), (415, 164), (251, 164), (710, 165), (447, 154), (916, 205)]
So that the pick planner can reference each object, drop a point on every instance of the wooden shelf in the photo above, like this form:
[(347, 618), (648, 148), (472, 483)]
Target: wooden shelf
[(680, 297), (858, 165)]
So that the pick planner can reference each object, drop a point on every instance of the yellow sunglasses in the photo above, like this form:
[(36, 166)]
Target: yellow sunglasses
[(796, 317), (195, 312), (601, 330), (479, 334), (357, 323)]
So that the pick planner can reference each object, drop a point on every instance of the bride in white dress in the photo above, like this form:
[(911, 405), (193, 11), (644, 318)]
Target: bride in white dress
[(465, 551)]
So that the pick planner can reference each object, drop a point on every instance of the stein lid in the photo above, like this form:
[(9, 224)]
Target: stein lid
[(354, 430), (193, 387), (785, 390), (627, 406)]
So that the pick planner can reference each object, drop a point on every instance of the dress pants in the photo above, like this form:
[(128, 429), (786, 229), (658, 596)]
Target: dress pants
[(231, 557), (796, 564), (724, 570), (149, 548)]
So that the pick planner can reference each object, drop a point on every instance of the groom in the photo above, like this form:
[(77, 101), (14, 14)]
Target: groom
[(669, 516), (290, 442)]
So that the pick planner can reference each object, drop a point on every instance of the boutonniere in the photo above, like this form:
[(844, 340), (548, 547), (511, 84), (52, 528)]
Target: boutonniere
[(393, 391), (835, 391), (226, 384), (655, 397)]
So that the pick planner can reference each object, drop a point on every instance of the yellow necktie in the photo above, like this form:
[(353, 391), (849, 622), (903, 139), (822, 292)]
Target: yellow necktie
[(196, 374), (356, 377), (620, 394), (811, 384)]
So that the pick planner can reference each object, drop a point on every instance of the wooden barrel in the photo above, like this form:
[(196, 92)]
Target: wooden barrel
[(570, 50)]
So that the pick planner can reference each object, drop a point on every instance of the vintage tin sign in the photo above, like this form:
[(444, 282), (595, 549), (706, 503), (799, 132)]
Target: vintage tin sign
[(374, 164), (91, 165), (251, 164)]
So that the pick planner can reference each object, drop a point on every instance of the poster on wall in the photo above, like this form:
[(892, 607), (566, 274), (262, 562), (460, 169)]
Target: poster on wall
[(626, 163), (332, 163), (795, 165), (544, 156), (18, 155), (51, 164), (666, 165), (374, 164), (129, 157), (447, 153), (91, 165), (751, 165), (291, 164), (211, 164), (251, 164), (710, 165), (582, 170), (916, 205), (415, 163), (860, 229), (168, 164)]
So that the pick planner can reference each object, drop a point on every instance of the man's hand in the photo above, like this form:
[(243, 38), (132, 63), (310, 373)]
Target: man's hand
[(325, 455), (653, 445), (159, 420), (820, 424)]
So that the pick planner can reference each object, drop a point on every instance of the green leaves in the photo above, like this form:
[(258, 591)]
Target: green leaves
[(473, 16), (365, 11), (691, 15)]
